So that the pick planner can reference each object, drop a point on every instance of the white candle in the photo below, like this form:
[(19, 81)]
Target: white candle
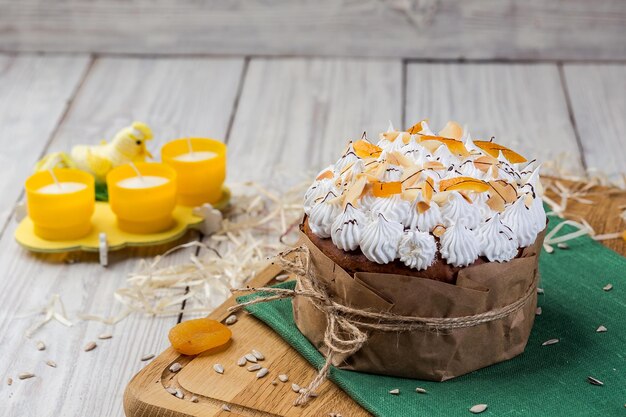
[(64, 187), (195, 156), (145, 181)]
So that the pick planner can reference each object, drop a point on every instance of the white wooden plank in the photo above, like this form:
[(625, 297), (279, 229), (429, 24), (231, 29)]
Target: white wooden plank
[(295, 116), (598, 100), (522, 105), (34, 92), (548, 29), (177, 97)]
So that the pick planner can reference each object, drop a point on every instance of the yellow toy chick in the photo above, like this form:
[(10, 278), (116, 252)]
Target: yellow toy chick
[(128, 145)]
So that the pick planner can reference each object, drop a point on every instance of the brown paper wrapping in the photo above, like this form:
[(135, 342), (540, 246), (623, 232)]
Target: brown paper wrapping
[(430, 355)]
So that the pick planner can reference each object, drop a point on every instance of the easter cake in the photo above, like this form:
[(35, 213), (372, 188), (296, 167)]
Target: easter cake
[(436, 228)]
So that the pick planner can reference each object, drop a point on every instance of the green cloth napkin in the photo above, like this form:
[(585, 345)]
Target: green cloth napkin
[(544, 380)]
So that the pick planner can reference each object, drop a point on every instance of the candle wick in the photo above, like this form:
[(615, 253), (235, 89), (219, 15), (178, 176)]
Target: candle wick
[(189, 146), (54, 178), (134, 167)]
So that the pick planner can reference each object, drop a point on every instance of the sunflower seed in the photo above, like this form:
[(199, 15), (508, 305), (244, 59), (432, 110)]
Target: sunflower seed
[(254, 367), (25, 375), (218, 368), (538, 311), (262, 373), (194, 399), (250, 357), (420, 390), (601, 329), (242, 361), (258, 354), (539, 290), (225, 407), (478, 408), (550, 342), (562, 245), (295, 387), (608, 287), (179, 394), (395, 391), (176, 367), (105, 336), (171, 390), (147, 357), (283, 378), (41, 345), (594, 381), (9, 381), (51, 364), (232, 319), (90, 346), (281, 278)]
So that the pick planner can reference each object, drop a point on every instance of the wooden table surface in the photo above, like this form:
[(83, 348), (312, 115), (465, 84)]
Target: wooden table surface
[(278, 114)]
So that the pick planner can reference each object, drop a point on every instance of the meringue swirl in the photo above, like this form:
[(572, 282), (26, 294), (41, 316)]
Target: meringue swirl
[(323, 215), (379, 241), (520, 219), (458, 210), (317, 191), (417, 249), (426, 221), (393, 208), (497, 241), (459, 245), (347, 228)]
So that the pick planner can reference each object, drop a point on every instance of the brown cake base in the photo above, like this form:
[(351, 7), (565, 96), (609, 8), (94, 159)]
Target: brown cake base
[(355, 261)]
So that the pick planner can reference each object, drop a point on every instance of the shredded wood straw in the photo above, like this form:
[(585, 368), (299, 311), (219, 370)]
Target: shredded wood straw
[(259, 224), (54, 310)]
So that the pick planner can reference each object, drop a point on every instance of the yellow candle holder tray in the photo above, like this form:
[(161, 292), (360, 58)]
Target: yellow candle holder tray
[(106, 236)]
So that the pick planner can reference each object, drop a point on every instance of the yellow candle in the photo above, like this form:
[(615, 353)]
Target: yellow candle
[(200, 165), (64, 187), (195, 156), (60, 203), (147, 181), (143, 197)]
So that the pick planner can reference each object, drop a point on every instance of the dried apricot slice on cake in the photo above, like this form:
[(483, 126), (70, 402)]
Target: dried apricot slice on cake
[(195, 336)]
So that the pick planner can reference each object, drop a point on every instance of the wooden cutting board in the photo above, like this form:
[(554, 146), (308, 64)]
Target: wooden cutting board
[(238, 388), (246, 395)]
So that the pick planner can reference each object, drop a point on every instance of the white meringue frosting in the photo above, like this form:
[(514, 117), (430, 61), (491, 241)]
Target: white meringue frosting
[(323, 215), (317, 191), (369, 198), (347, 228), (522, 221), (460, 211), (417, 249), (379, 241), (393, 208), (348, 158), (426, 221), (497, 241), (459, 245)]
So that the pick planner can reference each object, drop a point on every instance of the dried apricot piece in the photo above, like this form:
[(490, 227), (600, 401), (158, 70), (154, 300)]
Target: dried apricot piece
[(365, 149), (464, 184), (494, 149), (417, 127), (455, 146), (386, 189), (195, 336)]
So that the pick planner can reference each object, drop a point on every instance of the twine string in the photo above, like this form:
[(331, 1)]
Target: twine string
[(347, 327)]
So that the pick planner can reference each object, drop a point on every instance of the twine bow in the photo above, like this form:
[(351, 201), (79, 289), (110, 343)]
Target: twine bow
[(347, 327)]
